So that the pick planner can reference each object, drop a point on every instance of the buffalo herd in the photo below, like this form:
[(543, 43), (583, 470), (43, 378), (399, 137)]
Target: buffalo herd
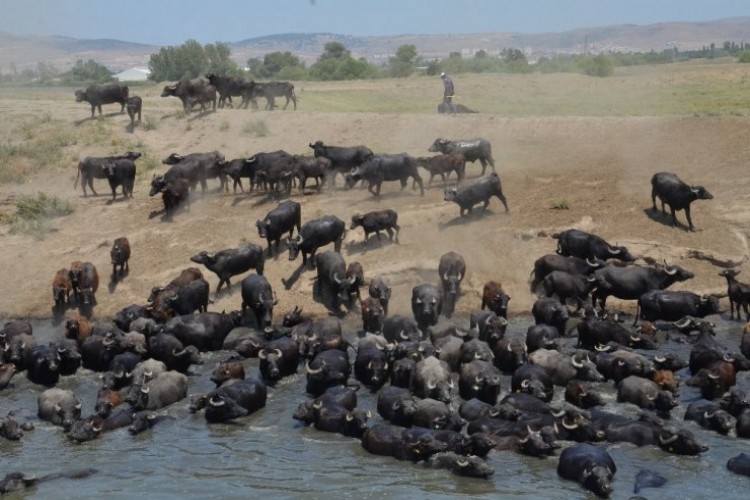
[(438, 382)]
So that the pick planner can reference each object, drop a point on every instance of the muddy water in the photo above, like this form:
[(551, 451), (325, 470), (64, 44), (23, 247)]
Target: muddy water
[(269, 453)]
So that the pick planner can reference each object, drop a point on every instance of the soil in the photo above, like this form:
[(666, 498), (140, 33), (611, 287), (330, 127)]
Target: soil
[(557, 173)]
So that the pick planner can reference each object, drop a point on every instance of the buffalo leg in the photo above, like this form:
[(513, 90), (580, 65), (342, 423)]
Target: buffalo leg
[(687, 215)]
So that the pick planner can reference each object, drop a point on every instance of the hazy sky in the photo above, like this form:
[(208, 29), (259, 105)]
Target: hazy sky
[(171, 22)]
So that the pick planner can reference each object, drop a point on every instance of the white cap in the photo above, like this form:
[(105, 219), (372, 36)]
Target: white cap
[(442, 74)]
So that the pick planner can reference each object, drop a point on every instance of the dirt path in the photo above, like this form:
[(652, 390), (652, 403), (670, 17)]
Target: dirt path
[(599, 168)]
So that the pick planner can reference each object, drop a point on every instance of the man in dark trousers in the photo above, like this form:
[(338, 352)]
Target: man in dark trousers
[(448, 92)]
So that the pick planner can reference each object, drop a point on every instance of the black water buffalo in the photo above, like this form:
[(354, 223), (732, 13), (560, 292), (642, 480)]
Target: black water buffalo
[(376, 221), (231, 262), (205, 331), (285, 217), (258, 296), (740, 464), (274, 169), (550, 312), (371, 367), (343, 159), (191, 92), (119, 256), (43, 365), (327, 369), (315, 234), (645, 394), (509, 354), (85, 282), (235, 400), (306, 167), (332, 283), (134, 105), (472, 150), (271, 90), (396, 167), (59, 406), (174, 195), (541, 336), (566, 286), (121, 172), (426, 305), (481, 380), (106, 93), (279, 358), (562, 368), (738, 293), (709, 415), (237, 169), (629, 283), (452, 270), (556, 262), (672, 191), (589, 465), (594, 331), (479, 191), (229, 86), (669, 305), (582, 395), (389, 440), (443, 165), (577, 243), (174, 354), (193, 167), (380, 288), (91, 168)]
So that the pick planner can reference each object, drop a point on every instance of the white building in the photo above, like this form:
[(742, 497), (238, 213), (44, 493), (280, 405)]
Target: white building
[(133, 75)]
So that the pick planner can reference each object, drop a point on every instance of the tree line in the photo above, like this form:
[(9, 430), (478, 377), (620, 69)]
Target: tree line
[(191, 59)]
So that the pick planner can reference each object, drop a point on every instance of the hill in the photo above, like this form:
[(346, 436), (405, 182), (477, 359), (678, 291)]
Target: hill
[(26, 51)]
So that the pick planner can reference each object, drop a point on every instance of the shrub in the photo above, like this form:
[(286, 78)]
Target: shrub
[(33, 214), (256, 128)]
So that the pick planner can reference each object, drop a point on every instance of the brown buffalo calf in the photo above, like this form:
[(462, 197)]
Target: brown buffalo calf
[(106, 400), (666, 380), (230, 368), (495, 298), (77, 327), (373, 315), (61, 288), (119, 256)]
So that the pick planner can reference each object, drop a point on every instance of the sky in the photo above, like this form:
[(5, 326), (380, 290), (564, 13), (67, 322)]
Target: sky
[(172, 22)]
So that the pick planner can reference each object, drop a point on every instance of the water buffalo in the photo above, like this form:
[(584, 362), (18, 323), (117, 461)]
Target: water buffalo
[(443, 165), (231, 262), (285, 217), (669, 305), (258, 296), (452, 270), (190, 92), (380, 168), (229, 86), (589, 465), (739, 294), (672, 191), (91, 168), (134, 105), (376, 221), (106, 93), (629, 283), (235, 400), (193, 167), (343, 159), (495, 299), (332, 283), (315, 234), (472, 150), (479, 191), (271, 90), (119, 257), (577, 243), (59, 406), (556, 262), (426, 305)]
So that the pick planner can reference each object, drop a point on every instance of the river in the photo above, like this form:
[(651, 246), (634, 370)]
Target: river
[(269, 453)]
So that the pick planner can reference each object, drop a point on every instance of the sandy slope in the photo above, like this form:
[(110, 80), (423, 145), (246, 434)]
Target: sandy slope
[(600, 166)]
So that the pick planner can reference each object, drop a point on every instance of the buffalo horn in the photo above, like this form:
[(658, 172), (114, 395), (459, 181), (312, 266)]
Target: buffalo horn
[(575, 362)]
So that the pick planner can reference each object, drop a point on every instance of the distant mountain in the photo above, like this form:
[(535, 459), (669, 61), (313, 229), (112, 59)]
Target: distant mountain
[(26, 51)]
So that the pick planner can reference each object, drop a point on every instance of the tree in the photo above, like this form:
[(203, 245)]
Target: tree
[(191, 60), (87, 72), (402, 64), (336, 63), (276, 63)]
